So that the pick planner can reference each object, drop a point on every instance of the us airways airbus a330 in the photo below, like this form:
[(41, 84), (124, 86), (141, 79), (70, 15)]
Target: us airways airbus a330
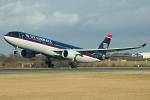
[(33, 45)]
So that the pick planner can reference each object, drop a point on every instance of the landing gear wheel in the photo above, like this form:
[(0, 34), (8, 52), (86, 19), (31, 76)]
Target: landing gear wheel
[(50, 65), (73, 65), (15, 52), (47, 62)]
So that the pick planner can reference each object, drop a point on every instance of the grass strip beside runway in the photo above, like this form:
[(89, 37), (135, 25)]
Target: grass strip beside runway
[(76, 86)]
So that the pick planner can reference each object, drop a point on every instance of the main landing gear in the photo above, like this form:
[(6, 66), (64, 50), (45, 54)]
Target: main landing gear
[(73, 65), (49, 63)]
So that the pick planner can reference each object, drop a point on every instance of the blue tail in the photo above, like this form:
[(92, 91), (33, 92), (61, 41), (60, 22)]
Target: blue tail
[(106, 42)]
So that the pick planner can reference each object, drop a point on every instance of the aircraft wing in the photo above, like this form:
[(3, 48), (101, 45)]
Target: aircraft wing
[(84, 51)]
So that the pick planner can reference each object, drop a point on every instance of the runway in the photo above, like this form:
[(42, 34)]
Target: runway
[(65, 70)]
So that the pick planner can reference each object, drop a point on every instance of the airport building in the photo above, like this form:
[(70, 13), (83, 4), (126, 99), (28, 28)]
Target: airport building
[(142, 55)]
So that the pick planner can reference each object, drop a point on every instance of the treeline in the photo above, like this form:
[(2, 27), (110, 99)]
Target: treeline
[(16, 61)]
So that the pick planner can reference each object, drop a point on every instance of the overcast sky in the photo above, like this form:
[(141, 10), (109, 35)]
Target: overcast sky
[(84, 23)]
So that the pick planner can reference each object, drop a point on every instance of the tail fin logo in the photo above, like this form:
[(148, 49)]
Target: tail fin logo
[(106, 42), (105, 45)]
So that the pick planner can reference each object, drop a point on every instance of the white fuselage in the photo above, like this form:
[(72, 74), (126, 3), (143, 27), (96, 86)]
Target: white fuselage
[(46, 49)]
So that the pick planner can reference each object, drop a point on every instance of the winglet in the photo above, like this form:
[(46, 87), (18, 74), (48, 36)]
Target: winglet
[(144, 44), (109, 36)]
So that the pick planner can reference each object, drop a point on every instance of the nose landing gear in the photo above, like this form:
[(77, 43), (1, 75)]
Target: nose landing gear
[(16, 52)]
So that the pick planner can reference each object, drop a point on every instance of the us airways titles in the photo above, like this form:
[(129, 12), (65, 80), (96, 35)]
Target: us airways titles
[(43, 40), (38, 38)]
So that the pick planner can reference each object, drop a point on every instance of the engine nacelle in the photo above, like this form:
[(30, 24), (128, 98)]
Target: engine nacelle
[(68, 54), (27, 54)]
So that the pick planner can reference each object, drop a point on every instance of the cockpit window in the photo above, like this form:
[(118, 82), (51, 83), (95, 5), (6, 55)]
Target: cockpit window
[(12, 34)]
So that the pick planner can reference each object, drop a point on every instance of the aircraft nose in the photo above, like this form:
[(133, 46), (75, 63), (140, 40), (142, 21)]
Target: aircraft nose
[(5, 37)]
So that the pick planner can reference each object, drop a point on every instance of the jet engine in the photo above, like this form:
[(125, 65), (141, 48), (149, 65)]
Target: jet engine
[(68, 54), (27, 54)]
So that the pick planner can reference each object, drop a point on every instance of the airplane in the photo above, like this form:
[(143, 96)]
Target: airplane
[(33, 45)]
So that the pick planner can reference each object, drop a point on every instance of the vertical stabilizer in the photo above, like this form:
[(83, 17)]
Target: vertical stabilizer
[(106, 42)]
